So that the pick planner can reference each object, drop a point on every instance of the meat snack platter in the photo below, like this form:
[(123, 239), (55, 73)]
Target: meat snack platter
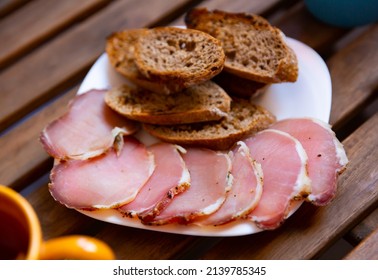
[(310, 96)]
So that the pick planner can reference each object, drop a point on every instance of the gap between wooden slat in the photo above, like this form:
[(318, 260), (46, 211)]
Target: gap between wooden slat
[(363, 229)]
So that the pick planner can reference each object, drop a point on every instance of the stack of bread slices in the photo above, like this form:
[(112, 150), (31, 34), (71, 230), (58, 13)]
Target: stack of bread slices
[(182, 79)]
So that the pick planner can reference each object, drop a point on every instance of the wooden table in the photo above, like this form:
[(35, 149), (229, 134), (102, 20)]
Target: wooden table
[(47, 48)]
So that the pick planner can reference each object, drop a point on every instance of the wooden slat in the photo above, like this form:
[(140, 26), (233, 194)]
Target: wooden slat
[(22, 31), (298, 23), (370, 223), (57, 64), (8, 6), (138, 244), (354, 73), (22, 144), (367, 250), (311, 230), (248, 6)]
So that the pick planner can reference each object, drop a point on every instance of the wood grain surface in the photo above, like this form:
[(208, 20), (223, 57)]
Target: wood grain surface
[(363, 229), (42, 73), (53, 17), (49, 47), (312, 229), (367, 249)]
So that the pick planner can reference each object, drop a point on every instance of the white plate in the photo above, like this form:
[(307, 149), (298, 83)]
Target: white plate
[(309, 96)]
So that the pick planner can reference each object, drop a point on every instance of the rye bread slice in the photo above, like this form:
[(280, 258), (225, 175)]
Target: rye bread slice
[(185, 56), (202, 102), (244, 119), (120, 48), (254, 49)]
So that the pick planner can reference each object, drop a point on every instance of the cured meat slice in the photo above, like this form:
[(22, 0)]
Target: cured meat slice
[(169, 178), (88, 129), (246, 190), (284, 164), (107, 181), (326, 155), (210, 181)]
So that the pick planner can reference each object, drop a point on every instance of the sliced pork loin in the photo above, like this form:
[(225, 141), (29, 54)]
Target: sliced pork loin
[(88, 129), (106, 181), (169, 178), (210, 181), (326, 155), (246, 190), (284, 165)]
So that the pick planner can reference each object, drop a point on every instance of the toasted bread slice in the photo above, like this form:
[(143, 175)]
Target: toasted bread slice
[(185, 56), (244, 119), (240, 87), (203, 102), (120, 47), (254, 49)]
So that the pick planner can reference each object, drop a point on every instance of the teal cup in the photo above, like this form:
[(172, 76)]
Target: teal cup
[(344, 13)]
